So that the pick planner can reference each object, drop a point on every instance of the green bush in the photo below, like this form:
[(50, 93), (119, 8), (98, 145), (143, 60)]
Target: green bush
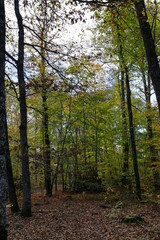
[(87, 181)]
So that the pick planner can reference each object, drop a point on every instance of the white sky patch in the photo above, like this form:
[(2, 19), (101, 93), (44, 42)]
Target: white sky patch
[(79, 30)]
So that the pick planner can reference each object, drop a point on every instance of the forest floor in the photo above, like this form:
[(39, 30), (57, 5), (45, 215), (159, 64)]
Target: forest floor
[(68, 216)]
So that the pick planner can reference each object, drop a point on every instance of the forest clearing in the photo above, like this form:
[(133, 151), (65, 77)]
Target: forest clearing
[(85, 216)]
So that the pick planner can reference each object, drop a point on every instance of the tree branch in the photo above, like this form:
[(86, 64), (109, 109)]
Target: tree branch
[(12, 84), (11, 57)]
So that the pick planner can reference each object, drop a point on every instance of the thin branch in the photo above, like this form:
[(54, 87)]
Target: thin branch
[(36, 34), (141, 96), (48, 50), (11, 57), (99, 3), (7, 60), (35, 109), (54, 68), (12, 84)]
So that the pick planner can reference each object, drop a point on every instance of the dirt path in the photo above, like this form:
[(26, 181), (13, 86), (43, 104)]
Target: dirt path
[(68, 217)]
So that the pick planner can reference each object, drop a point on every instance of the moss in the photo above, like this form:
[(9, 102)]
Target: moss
[(133, 219)]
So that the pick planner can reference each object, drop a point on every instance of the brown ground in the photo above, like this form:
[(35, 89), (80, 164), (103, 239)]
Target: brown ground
[(85, 217)]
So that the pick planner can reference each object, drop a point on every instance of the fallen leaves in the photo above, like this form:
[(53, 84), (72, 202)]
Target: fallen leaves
[(68, 217)]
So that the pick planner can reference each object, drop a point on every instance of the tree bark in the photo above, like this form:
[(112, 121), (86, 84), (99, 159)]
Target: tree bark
[(75, 158), (46, 143), (84, 134), (47, 152), (132, 137), (3, 230), (149, 45), (46, 147), (125, 144), (26, 208), (96, 145), (11, 185)]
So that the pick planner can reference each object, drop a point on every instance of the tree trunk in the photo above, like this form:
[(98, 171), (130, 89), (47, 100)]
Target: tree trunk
[(84, 134), (149, 45), (96, 146), (46, 148), (62, 174), (3, 230), (132, 137), (11, 186), (75, 158), (125, 144), (46, 153), (26, 208)]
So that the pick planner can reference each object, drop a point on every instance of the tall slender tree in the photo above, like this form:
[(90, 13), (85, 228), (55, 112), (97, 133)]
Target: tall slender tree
[(125, 143), (26, 208), (132, 136), (3, 230), (149, 45), (45, 122), (10, 180)]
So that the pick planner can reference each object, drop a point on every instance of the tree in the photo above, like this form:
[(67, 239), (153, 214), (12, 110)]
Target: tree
[(149, 112), (120, 38), (11, 185), (124, 69), (77, 125), (45, 122), (3, 230), (125, 143), (146, 33), (149, 45), (26, 208), (42, 36), (132, 136)]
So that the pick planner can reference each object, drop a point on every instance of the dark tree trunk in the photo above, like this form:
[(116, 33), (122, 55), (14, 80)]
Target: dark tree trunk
[(125, 144), (56, 180), (96, 146), (26, 208), (149, 45), (84, 134), (132, 137), (3, 230), (75, 158), (46, 153), (46, 147), (11, 186), (62, 174)]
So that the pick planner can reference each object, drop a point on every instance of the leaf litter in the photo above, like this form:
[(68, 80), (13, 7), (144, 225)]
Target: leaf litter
[(84, 217)]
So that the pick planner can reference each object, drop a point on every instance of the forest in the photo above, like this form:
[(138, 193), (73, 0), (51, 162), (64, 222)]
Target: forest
[(79, 118)]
